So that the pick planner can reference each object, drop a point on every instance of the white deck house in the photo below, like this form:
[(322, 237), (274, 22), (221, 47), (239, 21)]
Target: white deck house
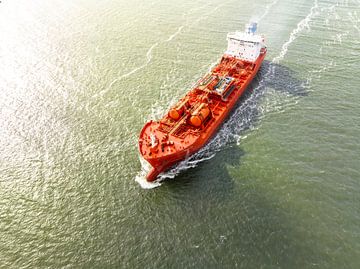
[(245, 45)]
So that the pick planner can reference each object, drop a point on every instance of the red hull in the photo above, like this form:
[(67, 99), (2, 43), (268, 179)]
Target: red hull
[(197, 116)]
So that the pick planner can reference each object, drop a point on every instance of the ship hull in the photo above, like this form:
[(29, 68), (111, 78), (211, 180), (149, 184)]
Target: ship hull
[(166, 142)]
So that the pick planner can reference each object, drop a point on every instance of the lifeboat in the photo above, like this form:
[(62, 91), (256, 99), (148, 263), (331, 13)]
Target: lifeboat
[(190, 123)]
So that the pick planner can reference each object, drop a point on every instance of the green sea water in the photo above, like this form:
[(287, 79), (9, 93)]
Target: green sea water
[(278, 187)]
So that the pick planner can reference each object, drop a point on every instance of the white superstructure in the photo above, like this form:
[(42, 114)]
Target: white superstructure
[(245, 45)]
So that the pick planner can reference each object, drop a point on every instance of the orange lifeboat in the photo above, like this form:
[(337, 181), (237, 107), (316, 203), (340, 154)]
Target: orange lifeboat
[(190, 124)]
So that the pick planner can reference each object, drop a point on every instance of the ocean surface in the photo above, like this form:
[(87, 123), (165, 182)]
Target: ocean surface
[(277, 187)]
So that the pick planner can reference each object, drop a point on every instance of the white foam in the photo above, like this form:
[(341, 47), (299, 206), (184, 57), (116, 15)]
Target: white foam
[(148, 60), (174, 34), (140, 178), (267, 9), (303, 24), (184, 165)]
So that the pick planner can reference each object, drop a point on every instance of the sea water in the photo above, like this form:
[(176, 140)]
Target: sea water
[(277, 187)]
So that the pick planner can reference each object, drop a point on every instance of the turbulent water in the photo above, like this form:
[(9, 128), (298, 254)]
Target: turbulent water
[(277, 187)]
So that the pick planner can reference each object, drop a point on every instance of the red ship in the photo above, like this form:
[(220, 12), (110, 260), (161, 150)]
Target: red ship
[(189, 125)]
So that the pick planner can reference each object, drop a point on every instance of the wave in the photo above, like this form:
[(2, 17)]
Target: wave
[(136, 69), (195, 8), (148, 60), (207, 14), (175, 34), (267, 9), (354, 20), (295, 33)]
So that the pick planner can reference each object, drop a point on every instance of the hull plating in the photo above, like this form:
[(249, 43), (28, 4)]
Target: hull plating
[(190, 124)]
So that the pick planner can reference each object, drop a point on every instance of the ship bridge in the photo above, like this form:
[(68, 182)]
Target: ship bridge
[(245, 45)]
